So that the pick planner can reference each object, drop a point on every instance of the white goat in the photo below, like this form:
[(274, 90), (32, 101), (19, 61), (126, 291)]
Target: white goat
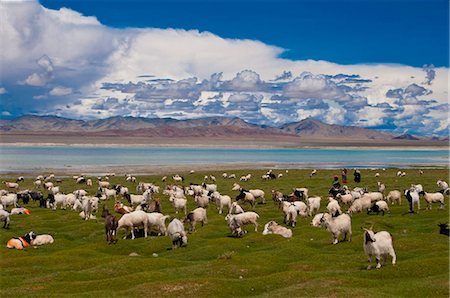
[(4, 216), (221, 201), (333, 207), (178, 204), (158, 220), (131, 220), (430, 198), (315, 222), (313, 205), (360, 204), (42, 240), (394, 196), (273, 228), (235, 208), (258, 194), (9, 200), (176, 232), (195, 216), (11, 184), (337, 225), (378, 245), (237, 221), (346, 199)]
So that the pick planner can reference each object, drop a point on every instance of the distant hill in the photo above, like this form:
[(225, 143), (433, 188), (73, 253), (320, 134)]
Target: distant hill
[(202, 127)]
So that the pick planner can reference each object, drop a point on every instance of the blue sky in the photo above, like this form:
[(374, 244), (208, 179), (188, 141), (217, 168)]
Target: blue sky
[(376, 64), (409, 32)]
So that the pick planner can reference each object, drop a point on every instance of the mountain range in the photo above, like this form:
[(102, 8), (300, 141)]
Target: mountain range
[(203, 127)]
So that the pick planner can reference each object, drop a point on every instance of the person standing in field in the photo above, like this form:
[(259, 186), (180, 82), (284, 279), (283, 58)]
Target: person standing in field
[(344, 176), (357, 175)]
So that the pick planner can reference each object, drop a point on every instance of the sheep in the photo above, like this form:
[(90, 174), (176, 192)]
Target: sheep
[(55, 200), (346, 199), (21, 242), (210, 187), (246, 177), (246, 196), (337, 225), (54, 190), (178, 204), (9, 200), (280, 175), (87, 207), (273, 228), (277, 196), (313, 205), (235, 209), (265, 177), (378, 245), (232, 176), (377, 175), (417, 187), (134, 199), (158, 220), (176, 233), (3, 192), (4, 216), (236, 186), (300, 193), (313, 172), (89, 182), (163, 178), (37, 183), (202, 201), (131, 220), (178, 178), (221, 201), (430, 198), (196, 189), (258, 193), (333, 207), (195, 216), (315, 222), (380, 206), (443, 186), (224, 175), (291, 215), (412, 195), (381, 187), (42, 240), (109, 193), (20, 211), (103, 184), (360, 204), (47, 185), (237, 221), (11, 184), (79, 193), (80, 180), (394, 196), (374, 196)]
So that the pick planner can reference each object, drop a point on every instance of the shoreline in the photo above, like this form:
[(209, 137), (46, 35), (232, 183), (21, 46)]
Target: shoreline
[(141, 170), (229, 146)]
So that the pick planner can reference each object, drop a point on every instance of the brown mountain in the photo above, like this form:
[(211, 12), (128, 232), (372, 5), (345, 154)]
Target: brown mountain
[(202, 127), (316, 129)]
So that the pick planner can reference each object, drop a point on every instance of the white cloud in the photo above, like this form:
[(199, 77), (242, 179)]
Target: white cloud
[(49, 49), (60, 91), (3, 90)]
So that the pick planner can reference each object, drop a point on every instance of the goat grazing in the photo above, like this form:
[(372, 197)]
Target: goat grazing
[(176, 232), (378, 245)]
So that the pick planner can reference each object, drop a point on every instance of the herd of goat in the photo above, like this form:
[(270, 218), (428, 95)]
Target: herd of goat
[(143, 209)]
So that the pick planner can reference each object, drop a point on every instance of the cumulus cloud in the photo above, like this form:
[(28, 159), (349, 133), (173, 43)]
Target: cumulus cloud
[(60, 91), (85, 69), (3, 91)]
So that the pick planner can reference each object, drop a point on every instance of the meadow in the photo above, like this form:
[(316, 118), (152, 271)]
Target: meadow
[(81, 264)]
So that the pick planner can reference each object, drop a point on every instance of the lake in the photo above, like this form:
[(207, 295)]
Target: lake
[(17, 159)]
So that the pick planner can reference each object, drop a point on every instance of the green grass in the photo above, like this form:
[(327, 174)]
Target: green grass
[(80, 263)]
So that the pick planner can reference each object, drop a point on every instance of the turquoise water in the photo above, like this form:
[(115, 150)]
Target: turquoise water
[(32, 158)]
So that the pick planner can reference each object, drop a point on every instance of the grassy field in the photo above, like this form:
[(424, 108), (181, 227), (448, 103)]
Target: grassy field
[(80, 263)]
